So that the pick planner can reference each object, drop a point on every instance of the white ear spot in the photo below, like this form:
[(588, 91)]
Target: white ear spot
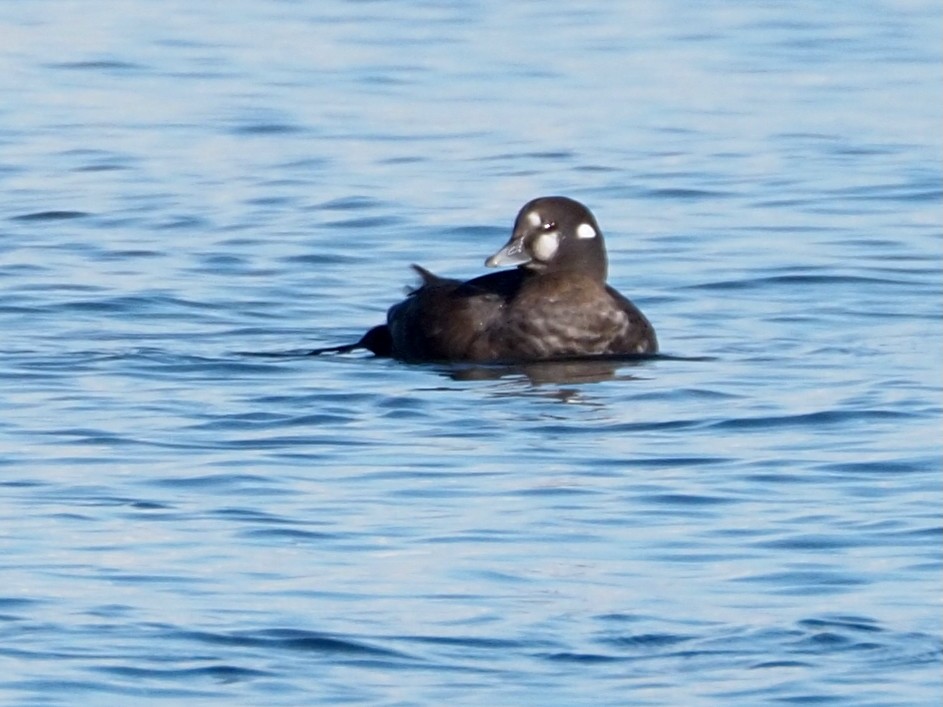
[(545, 246), (534, 219), (584, 230)]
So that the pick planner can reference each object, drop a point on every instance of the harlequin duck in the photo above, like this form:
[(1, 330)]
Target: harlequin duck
[(554, 305)]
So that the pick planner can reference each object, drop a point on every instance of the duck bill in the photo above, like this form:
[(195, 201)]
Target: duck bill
[(511, 254)]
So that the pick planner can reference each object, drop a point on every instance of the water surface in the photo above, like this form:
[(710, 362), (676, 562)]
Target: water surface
[(752, 519)]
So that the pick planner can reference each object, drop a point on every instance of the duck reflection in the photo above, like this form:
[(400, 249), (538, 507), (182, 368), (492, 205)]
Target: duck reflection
[(554, 372)]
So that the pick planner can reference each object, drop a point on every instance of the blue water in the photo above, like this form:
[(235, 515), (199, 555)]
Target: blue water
[(753, 519)]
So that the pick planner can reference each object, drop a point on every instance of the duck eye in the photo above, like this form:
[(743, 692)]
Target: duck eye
[(549, 226)]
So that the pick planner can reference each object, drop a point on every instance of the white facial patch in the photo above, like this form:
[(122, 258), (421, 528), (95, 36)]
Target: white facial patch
[(545, 246), (584, 230), (534, 219)]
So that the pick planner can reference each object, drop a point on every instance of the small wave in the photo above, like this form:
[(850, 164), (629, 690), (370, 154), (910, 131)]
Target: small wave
[(52, 215)]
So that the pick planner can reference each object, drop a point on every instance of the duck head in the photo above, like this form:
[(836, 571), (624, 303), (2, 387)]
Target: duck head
[(553, 234)]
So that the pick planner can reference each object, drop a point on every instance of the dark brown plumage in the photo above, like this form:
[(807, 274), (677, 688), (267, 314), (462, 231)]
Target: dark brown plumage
[(555, 304)]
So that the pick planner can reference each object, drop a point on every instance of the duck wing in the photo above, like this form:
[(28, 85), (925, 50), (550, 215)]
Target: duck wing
[(448, 320)]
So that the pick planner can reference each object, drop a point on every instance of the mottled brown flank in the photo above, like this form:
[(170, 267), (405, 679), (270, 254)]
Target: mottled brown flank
[(562, 314), (555, 316)]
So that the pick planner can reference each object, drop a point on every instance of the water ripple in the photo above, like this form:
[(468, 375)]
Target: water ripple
[(194, 511)]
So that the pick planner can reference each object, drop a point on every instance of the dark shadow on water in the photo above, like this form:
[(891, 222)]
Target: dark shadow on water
[(544, 372), (561, 381), (594, 369)]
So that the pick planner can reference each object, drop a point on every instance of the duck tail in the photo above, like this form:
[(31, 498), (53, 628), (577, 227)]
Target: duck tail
[(378, 341), (346, 348)]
